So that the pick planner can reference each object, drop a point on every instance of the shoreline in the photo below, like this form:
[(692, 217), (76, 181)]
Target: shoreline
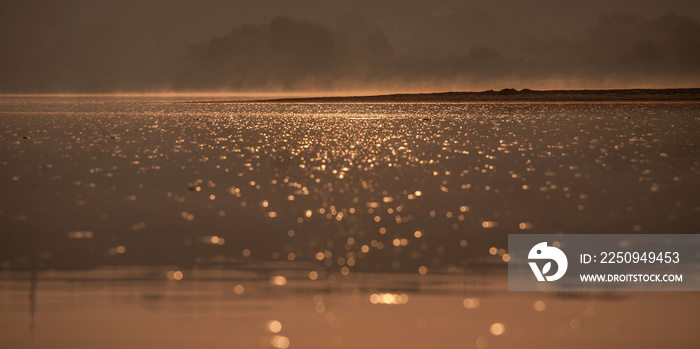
[(505, 95)]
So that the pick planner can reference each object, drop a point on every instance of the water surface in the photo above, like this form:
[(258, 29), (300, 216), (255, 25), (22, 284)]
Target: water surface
[(150, 222)]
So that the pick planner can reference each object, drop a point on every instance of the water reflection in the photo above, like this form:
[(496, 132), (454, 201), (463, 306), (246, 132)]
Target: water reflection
[(235, 184), (213, 308), (388, 298), (225, 219)]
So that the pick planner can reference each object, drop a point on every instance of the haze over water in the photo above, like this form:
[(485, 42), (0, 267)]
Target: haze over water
[(231, 219)]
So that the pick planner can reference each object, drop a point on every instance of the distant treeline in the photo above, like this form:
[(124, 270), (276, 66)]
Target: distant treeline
[(292, 54), (508, 94), (465, 48)]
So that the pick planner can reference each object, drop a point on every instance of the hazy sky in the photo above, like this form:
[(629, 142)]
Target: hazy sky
[(153, 45)]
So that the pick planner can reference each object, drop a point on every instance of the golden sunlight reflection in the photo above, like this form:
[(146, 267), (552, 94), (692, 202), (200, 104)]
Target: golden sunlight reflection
[(175, 275), (278, 280), (80, 235), (229, 220), (498, 329), (213, 240), (280, 342), (388, 298), (274, 326), (471, 303), (239, 289)]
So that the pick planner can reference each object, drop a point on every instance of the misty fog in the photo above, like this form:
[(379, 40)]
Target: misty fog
[(275, 45)]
